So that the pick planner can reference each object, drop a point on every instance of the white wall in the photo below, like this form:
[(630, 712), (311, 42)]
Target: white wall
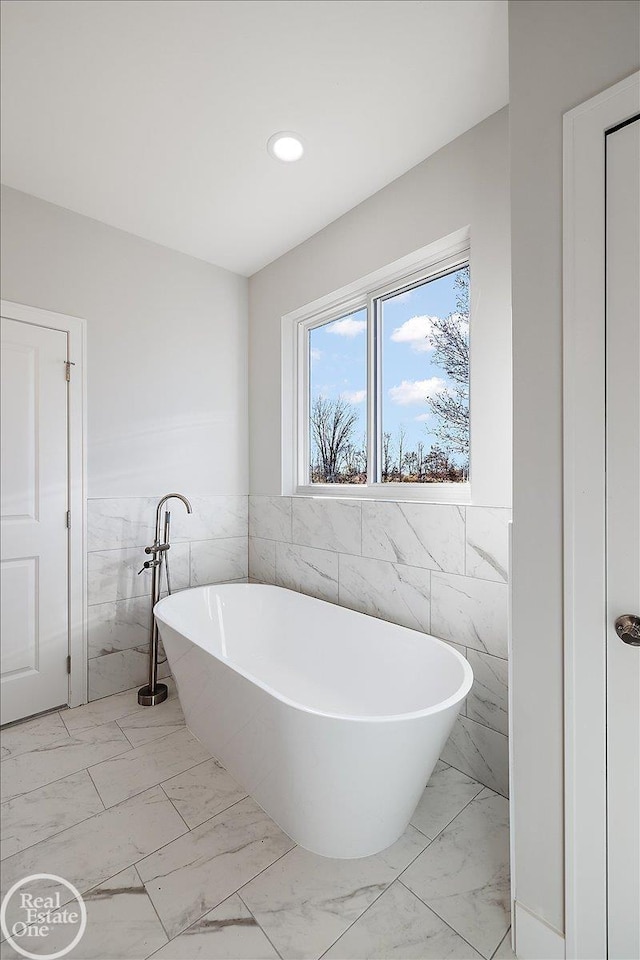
[(410, 563), (465, 183), (166, 344), (561, 53), (167, 410)]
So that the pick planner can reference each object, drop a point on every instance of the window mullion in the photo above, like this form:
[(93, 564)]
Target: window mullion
[(373, 405)]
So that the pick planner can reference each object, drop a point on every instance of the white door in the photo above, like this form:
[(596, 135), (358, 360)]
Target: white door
[(623, 539), (34, 495)]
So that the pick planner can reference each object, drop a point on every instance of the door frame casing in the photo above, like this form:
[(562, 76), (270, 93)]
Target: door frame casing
[(75, 329), (584, 502)]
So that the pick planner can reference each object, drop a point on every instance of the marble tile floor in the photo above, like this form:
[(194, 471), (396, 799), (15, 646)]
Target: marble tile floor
[(174, 860)]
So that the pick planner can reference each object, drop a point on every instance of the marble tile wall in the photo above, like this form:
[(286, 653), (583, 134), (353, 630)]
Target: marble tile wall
[(439, 568), (208, 546)]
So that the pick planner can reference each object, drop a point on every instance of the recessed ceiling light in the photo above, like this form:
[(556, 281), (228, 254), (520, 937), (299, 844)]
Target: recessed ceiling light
[(285, 146)]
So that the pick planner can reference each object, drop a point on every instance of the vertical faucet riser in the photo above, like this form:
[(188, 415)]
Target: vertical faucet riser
[(154, 692)]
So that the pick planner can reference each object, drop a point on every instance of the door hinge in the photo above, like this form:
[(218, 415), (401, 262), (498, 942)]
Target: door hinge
[(68, 519), (69, 664), (67, 369)]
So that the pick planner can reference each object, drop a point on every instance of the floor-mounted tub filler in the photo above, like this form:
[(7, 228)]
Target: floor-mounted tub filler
[(332, 720)]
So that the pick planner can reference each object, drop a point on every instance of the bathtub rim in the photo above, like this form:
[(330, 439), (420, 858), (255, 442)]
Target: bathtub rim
[(440, 707)]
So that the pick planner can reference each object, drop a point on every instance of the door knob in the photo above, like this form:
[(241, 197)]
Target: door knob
[(628, 629)]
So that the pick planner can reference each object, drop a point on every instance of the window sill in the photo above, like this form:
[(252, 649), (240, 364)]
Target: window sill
[(455, 493)]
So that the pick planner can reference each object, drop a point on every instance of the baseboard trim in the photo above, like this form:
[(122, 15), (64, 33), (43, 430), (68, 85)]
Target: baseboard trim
[(535, 939)]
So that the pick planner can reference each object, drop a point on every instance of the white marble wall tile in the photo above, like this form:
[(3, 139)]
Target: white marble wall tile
[(213, 518), (305, 902), (118, 625), (487, 546), (119, 779), (117, 672), (113, 575), (464, 874), (28, 771), (179, 558), (201, 869), (327, 523), (447, 793), (488, 698), (96, 849), (419, 534), (307, 570), (480, 752), (43, 812), (217, 561), (202, 792), (400, 927), (228, 932), (102, 711), (470, 612), (390, 591), (164, 719), (36, 734), (270, 518), (117, 523), (262, 560)]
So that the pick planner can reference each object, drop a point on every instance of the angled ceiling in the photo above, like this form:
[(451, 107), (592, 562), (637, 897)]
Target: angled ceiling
[(153, 115)]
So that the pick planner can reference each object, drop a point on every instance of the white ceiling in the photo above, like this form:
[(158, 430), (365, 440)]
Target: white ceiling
[(153, 115)]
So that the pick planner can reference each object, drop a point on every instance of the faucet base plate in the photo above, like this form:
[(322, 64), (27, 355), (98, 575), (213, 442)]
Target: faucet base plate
[(149, 698)]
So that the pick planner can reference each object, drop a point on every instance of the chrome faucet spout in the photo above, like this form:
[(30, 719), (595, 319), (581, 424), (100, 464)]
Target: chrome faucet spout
[(161, 503)]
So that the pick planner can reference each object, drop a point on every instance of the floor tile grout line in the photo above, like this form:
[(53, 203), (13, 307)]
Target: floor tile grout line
[(382, 892), (149, 786), (132, 866), (216, 905), (54, 743), (485, 785), (455, 817), (502, 941), (180, 836), (57, 832), (353, 922), (447, 825), (58, 779), (257, 922), (457, 932), (150, 743), (144, 886), (176, 810), (212, 817)]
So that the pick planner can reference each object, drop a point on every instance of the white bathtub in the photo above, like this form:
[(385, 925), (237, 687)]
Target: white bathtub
[(331, 720)]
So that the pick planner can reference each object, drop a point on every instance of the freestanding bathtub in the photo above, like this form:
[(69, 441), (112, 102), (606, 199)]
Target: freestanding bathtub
[(331, 720)]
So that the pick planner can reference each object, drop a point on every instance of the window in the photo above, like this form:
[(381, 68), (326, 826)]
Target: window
[(383, 383)]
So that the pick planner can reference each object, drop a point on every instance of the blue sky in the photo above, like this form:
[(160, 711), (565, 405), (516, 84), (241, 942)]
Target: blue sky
[(338, 359)]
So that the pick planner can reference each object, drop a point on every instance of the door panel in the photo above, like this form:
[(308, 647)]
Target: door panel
[(623, 538), (34, 561)]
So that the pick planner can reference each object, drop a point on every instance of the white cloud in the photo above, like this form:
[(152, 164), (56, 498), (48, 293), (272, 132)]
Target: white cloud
[(316, 354), (423, 417), (417, 332), (354, 396), (347, 327), (416, 391)]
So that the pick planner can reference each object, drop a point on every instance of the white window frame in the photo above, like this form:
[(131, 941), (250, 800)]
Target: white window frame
[(427, 264)]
